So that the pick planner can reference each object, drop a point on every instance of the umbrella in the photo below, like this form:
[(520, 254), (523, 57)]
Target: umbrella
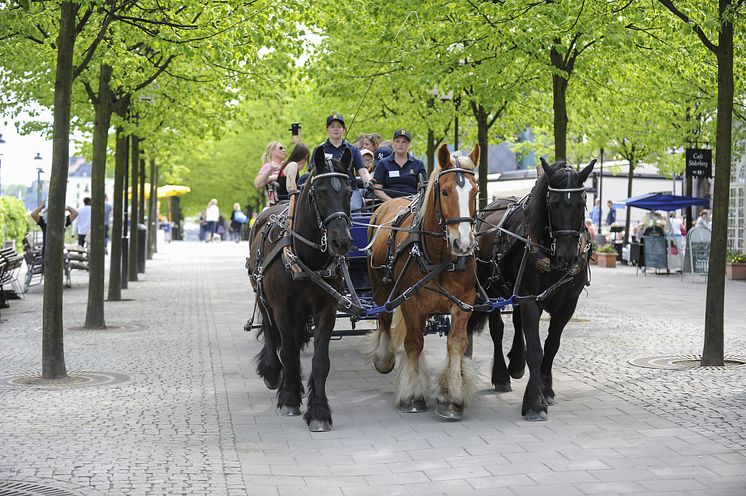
[(664, 201), (172, 190)]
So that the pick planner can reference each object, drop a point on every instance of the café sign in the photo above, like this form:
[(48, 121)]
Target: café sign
[(698, 162)]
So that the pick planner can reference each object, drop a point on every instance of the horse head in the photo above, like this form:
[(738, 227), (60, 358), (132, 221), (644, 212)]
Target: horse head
[(455, 191), (564, 211), (330, 191)]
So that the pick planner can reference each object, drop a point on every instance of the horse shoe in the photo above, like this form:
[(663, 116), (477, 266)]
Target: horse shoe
[(415, 405), (449, 410), (319, 426), (289, 411)]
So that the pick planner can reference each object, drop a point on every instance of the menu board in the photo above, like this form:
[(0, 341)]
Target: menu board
[(655, 252)]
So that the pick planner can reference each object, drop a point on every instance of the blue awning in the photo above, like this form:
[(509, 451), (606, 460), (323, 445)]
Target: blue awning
[(664, 201)]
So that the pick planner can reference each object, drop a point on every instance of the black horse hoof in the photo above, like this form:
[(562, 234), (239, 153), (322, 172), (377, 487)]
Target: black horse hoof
[(503, 388), (532, 416), (289, 411), (450, 411), (516, 372), (415, 405), (271, 385), (319, 426)]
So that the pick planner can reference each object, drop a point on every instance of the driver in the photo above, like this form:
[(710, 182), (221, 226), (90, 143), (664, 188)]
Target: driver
[(399, 174)]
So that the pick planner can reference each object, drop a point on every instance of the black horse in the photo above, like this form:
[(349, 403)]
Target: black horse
[(537, 249), (289, 285)]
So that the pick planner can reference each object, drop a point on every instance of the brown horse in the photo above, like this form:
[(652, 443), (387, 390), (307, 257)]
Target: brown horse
[(422, 258)]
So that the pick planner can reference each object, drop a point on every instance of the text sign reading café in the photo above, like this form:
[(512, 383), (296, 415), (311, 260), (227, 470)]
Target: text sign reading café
[(698, 162)]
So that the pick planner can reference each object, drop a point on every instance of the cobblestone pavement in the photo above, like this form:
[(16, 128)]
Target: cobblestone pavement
[(173, 405)]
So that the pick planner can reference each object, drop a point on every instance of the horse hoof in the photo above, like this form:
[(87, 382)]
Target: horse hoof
[(384, 366), (415, 405), (289, 411), (450, 411), (319, 426), (271, 385), (531, 416), (503, 388), (516, 373), (549, 399)]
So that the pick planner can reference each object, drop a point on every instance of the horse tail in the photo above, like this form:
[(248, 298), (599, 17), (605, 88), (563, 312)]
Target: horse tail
[(476, 322)]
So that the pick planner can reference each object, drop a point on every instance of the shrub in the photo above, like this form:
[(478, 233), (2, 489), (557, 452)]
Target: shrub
[(13, 222), (736, 257), (606, 249)]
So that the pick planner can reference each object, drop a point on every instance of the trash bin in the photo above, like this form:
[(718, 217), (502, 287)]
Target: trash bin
[(142, 243)]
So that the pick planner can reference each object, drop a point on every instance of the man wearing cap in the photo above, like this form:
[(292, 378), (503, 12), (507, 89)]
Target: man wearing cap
[(335, 146), (399, 174)]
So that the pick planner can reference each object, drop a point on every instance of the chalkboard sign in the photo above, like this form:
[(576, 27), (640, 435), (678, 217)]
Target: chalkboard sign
[(655, 252), (698, 251)]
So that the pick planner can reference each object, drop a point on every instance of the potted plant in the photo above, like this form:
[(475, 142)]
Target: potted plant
[(606, 256), (735, 265)]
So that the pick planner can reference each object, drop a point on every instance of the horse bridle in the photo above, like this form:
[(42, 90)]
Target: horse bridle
[(460, 180), (558, 233), (323, 222)]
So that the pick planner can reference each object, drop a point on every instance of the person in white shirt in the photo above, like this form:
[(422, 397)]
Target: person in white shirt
[(83, 222), (703, 220), (212, 215)]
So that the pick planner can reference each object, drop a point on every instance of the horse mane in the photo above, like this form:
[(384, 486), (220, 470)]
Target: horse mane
[(463, 162), (536, 211)]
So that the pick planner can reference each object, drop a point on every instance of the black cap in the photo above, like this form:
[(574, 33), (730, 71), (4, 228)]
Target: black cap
[(383, 152), (402, 132), (335, 117)]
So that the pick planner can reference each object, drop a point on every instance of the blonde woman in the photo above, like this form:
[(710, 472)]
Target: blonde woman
[(272, 158)]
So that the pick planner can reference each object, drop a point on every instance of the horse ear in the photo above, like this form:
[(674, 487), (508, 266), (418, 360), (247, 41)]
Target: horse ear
[(474, 155), (583, 175), (346, 158), (319, 159), (444, 156), (546, 168)]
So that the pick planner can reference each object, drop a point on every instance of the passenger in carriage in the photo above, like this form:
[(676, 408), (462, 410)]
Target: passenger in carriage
[(368, 142), (399, 174), (287, 176)]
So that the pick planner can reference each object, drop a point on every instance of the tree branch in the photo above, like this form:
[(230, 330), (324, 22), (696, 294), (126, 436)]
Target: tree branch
[(696, 27), (157, 73)]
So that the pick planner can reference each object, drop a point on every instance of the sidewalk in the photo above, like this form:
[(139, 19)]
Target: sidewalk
[(168, 402)]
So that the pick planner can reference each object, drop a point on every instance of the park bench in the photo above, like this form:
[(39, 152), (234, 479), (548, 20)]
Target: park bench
[(34, 257), (76, 258), (10, 287)]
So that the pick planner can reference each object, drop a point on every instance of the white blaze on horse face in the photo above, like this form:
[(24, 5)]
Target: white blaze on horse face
[(465, 234)]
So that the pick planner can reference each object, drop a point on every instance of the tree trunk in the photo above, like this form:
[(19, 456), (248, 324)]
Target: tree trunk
[(94, 315), (628, 210), (125, 213), (713, 351), (481, 117), (115, 263), (559, 104), (152, 209), (135, 158), (430, 153), (141, 217), (53, 350)]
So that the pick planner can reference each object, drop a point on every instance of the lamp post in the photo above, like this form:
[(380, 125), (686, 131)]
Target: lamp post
[(2, 142), (39, 172)]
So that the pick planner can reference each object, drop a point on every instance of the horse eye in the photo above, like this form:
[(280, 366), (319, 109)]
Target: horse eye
[(444, 193)]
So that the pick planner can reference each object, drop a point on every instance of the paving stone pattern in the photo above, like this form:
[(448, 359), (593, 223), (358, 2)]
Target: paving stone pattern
[(193, 417)]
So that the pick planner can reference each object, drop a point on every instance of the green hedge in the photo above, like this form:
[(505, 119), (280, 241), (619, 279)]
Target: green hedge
[(13, 220)]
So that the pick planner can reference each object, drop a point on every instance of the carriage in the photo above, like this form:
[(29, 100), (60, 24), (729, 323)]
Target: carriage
[(407, 262)]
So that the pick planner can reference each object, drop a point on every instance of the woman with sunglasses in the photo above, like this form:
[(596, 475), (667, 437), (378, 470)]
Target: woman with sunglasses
[(272, 158)]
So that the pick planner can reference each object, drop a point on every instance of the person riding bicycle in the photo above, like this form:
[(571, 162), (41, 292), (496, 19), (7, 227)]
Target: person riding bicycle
[(399, 174)]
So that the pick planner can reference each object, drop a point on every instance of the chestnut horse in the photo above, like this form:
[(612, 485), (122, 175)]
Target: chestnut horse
[(289, 285), (422, 259), (535, 250)]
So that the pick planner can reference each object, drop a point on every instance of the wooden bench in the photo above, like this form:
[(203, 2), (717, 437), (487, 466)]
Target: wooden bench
[(76, 258)]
